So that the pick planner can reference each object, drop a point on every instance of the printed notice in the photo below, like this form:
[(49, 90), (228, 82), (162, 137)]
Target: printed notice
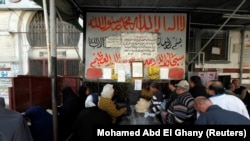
[(138, 45)]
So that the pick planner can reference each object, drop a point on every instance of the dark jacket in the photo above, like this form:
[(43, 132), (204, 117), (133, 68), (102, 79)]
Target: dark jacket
[(68, 112), (13, 126), (215, 115), (87, 121)]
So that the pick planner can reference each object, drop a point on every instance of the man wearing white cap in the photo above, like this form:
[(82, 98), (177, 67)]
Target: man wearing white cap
[(181, 110)]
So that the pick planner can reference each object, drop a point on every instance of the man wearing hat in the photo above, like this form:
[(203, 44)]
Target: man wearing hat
[(181, 110)]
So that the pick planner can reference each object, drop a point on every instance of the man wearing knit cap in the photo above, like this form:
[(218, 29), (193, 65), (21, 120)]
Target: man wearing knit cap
[(181, 110), (107, 104)]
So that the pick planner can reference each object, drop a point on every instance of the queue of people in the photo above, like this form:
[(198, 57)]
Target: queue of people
[(77, 113), (180, 108), (188, 102), (77, 120), (216, 95)]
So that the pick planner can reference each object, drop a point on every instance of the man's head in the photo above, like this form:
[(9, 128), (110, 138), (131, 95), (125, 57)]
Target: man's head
[(201, 104), (214, 87), (231, 87), (236, 82), (172, 83), (195, 80), (154, 87), (182, 87)]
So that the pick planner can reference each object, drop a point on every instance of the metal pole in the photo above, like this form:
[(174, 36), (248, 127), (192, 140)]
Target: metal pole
[(241, 54), (45, 12), (53, 65), (243, 1)]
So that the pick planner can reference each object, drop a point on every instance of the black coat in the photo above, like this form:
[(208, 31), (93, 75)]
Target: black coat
[(87, 120), (215, 115), (41, 122), (68, 112)]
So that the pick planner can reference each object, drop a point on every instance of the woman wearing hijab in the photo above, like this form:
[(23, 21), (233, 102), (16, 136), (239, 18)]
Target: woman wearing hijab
[(67, 113), (88, 119), (41, 123), (107, 104), (83, 94)]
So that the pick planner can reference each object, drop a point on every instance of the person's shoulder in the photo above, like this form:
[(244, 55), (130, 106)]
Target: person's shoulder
[(243, 87), (231, 96), (12, 113)]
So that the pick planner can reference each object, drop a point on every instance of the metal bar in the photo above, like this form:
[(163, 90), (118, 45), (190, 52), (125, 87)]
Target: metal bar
[(53, 66), (243, 1), (241, 54), (45, 12)]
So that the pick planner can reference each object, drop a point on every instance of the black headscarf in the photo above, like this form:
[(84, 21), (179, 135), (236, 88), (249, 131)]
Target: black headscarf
[(41, 122)]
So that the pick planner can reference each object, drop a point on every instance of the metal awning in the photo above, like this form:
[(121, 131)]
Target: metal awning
[(203, 13)]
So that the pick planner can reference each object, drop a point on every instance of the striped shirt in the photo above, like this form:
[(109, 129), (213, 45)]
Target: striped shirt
[(181, 110), (155, 103)]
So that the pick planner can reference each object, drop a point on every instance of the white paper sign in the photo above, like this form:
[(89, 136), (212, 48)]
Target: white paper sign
[(107, 72), (113, 41), (123, 66), (164, 73), (138, 84), (121, 76), (216, 50), (138, 45)]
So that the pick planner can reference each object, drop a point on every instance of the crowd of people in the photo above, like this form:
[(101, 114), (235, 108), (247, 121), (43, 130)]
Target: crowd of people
[(191, 102), (194, 102), (185, 102)]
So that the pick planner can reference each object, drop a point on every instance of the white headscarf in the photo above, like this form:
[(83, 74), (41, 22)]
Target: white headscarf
[(107, 91), (91, 100)]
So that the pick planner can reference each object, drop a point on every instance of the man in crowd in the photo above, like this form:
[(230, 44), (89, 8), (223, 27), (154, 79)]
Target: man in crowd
[(225, 101), (211, 114), (13, 126), (181, 110)]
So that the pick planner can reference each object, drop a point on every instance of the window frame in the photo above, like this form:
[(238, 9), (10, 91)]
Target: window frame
[(198, 39)]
